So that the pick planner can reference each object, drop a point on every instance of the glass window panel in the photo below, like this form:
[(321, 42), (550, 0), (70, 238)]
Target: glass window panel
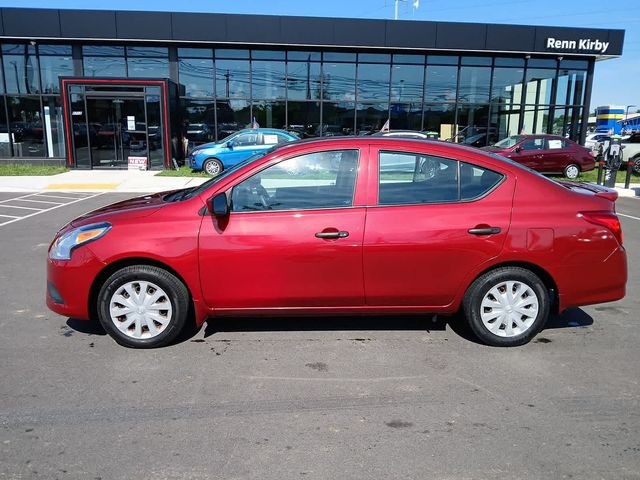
[(18, 49), (339, 57), (373, 81), (155, 133), (267, 55), (26, 127), (197, 77), (148, 67), (440, 118), (322, 180), (303, 56), (102, 51), (577, 64), (472, 126), (304, 118), (54, 126), (479, 61), (542, 63), (505, 118), (507, 86), (231, 53), (371, 117), (268, 80), (407, 83), (337, 119), (51, 68), (104, 67), (233, 115), (147, 52), (199, 121), (21, 73), (303, 80), (571, 85), (405, 116), (270, 114), (195, 53), (374, 57), (415, 59), (476, 181), (82, 133), (5, 142), (233, 78), (536, 119), (54, 50), (509, 62), (415, 178), (440, 84), (442, 60), (474, 84), (339, 81), (566, 122), (539, 83)]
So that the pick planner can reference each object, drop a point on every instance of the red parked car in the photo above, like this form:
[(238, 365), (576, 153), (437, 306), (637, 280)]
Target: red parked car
[(546, 154), (345, 226)]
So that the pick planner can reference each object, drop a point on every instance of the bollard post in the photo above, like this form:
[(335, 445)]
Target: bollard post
[(627, 179), (600, 166)]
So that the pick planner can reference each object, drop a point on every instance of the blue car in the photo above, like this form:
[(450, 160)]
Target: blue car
[(215, 157)]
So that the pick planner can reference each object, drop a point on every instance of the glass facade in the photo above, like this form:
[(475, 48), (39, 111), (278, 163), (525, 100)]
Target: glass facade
[(469, 99)]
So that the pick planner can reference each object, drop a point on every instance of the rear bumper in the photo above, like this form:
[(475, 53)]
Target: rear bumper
[(608, 285), (69, 283)]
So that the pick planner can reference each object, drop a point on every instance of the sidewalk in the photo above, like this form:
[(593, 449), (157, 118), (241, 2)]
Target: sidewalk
[(99, 180), (137, 181)]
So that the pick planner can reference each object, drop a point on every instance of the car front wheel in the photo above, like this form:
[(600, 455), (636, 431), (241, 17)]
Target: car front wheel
[(213, 167), (143, 306), (572, 171), (506, 307)]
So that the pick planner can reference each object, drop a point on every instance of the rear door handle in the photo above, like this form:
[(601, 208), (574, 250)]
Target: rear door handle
[(325, 235), (484, 231)]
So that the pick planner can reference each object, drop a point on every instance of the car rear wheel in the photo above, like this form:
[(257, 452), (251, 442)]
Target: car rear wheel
[(635, 167), (142, 306), (572, 171), (213, 167), (506, 307)]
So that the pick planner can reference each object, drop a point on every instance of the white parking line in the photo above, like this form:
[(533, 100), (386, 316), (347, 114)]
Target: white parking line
[(38, 211), (46, 195), (628, 216), (40, 201)]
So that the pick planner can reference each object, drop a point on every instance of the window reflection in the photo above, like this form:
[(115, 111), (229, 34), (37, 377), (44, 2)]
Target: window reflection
[(269, 114), (304, 118), (440, 85), (474, 84), (339, 81), (303, 80), (197, 76), (268, 80), (373, 81), (21, 69), (233, 79), (539, 83), (371, 117)]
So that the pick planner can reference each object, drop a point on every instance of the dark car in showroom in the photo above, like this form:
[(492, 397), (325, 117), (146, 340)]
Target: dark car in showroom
[(546, 154)]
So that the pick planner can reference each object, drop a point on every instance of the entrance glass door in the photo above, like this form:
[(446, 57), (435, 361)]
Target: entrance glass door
[(120, 127)]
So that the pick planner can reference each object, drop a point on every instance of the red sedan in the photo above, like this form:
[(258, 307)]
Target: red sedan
[(345, 226), (546, 154)]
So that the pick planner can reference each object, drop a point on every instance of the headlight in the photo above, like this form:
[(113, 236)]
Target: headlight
[(64, 244)]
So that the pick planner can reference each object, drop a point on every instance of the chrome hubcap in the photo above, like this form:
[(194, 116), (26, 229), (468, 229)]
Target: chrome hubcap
[(213, 168), (509, 309), (572, 172), (140, 309)]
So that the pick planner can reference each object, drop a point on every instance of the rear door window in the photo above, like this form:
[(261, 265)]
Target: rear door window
[(533, 144)]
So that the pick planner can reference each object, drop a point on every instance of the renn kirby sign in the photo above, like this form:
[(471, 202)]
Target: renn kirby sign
[(583, 44)]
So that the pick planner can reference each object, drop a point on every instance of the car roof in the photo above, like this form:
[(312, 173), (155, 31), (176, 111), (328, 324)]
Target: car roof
[(265, 130)]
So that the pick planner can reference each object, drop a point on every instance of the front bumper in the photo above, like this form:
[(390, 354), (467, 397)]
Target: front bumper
[(69, 283)]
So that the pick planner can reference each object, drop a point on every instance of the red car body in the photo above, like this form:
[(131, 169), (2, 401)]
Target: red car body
[(396, 258), (546, 153)]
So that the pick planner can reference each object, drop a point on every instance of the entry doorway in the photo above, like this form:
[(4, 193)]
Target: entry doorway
[(116, 125)]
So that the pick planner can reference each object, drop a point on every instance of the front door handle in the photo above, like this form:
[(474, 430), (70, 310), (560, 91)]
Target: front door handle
[(333, 234), (484, 231)]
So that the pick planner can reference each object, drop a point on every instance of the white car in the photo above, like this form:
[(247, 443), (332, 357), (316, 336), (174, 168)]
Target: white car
[(593, 139)]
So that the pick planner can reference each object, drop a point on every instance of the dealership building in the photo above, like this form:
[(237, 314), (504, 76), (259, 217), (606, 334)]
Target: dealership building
[(94, 89)]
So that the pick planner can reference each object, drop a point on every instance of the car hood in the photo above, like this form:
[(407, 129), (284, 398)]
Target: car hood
[(205, 146), (137, 207)]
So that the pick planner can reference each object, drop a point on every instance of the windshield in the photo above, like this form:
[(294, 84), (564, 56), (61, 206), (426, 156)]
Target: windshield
[(509, 141), (225, 174)]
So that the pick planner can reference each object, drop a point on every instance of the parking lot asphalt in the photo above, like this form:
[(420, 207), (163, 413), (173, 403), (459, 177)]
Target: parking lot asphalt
[(347, 398)]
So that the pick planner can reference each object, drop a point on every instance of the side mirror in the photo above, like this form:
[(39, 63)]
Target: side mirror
[(518, 149), (230, 145), (219, 205)]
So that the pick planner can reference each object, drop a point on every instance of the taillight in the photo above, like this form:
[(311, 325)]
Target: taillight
[(606, 219)]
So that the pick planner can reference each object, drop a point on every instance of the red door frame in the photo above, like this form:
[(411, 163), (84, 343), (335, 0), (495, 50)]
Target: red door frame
[(66, 82)]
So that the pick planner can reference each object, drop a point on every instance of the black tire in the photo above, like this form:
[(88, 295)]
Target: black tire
[(635, 168), (213, 167), (475, 294), (569, 171), (176, 292)]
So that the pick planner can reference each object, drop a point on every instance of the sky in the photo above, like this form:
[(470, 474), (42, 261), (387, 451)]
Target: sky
[(616, 81)]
